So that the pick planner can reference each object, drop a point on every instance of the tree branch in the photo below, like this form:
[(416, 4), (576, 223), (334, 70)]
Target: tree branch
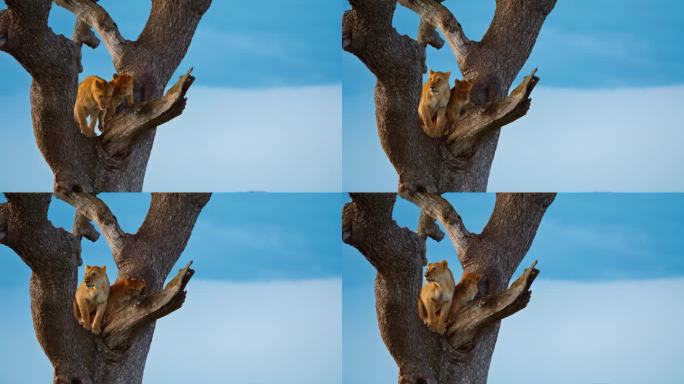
[(467, 132), (477, 315), (438, 208), (4, 213), (94, 15), (434, 13), (129, 125), (94, 209), (122, 325), (83, 228)]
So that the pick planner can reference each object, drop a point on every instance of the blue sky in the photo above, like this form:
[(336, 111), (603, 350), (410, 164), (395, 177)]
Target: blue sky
[(250, 252), (616, 255), (616, 62), (267, 87)]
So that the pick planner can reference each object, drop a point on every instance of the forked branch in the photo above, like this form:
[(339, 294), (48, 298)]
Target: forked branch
[(477, 315), (96, 210), (437, 15), (122, 325), (440, 209), (89, 12), (128, 125), (468, 130)]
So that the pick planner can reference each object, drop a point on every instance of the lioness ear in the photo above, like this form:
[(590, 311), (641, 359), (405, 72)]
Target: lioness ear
[(444, 263), (88, 266), (448, 73), (432, 72), (104, 267)]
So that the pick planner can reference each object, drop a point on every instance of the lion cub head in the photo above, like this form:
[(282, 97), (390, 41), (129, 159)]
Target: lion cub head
[(468, 285), (95, 275), (102, 93), (438, 272), (132, 286), (463, 88), (123, 83), (438, 81)]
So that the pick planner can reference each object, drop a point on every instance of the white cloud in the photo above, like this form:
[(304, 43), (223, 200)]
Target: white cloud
[(571, 332), (614, 332), (284, 139), (594, 140), (248, 333), (252, 333)]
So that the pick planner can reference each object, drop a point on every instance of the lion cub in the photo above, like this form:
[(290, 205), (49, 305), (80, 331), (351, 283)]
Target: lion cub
[(465, 291), (93, 97), (121, 292), (436, 296), (123, 91), (91, 296), (460, 97), (433, 103)]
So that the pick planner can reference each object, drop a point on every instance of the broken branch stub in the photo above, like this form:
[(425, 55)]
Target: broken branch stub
[(122, 325), (470, 128), (127, 125), (475, 316)]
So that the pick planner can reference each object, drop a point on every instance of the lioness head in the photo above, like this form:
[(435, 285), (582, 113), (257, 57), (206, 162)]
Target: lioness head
[(102, 93), (123, 82), (435, 271), (94, 274), (438, 80)]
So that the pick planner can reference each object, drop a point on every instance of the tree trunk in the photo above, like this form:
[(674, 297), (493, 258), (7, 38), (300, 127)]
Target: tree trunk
[(398, 62), (53, 254), (398, 254), (53, 61)]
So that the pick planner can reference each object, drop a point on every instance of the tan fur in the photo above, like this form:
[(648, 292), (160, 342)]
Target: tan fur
[(436, 295), (433, 103), (123, 91), (460, 97), (465, 291), (121, 293), (91, 297), (94, 95)]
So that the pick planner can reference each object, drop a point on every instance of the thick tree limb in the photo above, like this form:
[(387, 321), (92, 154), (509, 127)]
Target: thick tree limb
[(127, 126), (92, 14), (434, 13), (515, 216), (477, 122), (96, 210), (477, 315), (123, 324)]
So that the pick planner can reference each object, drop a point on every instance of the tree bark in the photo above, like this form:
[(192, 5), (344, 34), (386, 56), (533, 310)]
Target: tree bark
[(53, 254), (398, 254), (398, 62), (116, 162)]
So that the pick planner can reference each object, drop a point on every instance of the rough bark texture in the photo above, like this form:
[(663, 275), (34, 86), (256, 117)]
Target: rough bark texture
[(398, 255), (53, 254), (398, 62), (118, 162)]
